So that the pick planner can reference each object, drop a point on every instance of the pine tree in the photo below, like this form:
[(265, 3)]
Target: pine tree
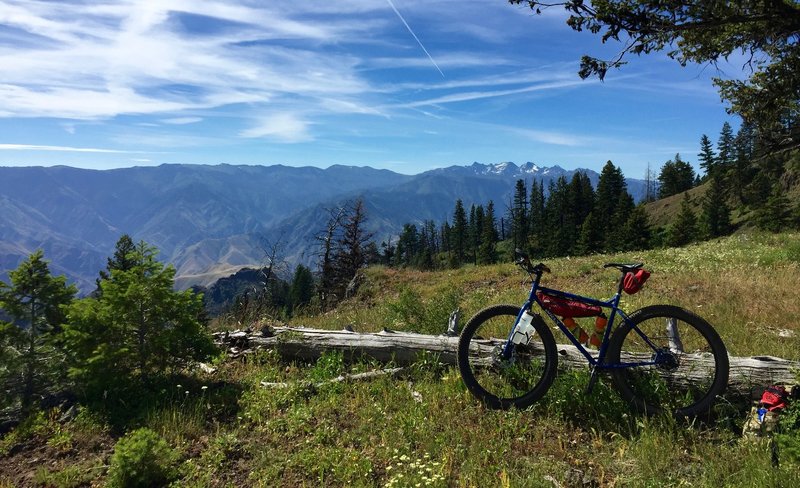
[(301, 291), (445, 237), (487, 252), (676, 176), (424, 257), (433, 238), (30, 346), (408, 246), (684, 229), (726, 154), (388, 253), (139, 327), (715, 216), (472, 236), (519, 216), (477, 231), (707, 157), (559, 222), (776, 214), (740, 173), (581, 198), (536, 229), (589, 240), (458, 235), (120, 260), (616, 238), (372, 253), (637, 234), (609, 188)]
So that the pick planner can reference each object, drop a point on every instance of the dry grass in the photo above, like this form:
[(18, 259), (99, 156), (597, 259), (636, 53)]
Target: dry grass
[(745, 285)]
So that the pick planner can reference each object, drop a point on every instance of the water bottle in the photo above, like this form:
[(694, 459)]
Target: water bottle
[(524, 330), (576, 330), (599, 329)]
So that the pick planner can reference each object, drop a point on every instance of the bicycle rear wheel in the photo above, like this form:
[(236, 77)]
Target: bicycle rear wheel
[(691, 367), (500, 383)]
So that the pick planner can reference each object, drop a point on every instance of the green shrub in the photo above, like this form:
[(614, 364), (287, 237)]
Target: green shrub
[(788, 438), (142, 458), (426, 317), (328, 366)]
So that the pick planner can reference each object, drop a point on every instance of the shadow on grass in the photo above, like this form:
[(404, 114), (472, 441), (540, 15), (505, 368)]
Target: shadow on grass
[(130, 405), (604, 410)]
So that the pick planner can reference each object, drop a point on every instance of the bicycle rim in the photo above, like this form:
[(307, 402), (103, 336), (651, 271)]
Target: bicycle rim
[(518, 380), (692, 367)]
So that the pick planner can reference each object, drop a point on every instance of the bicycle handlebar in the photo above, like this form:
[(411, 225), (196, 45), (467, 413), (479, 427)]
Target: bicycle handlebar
[(522, 260)]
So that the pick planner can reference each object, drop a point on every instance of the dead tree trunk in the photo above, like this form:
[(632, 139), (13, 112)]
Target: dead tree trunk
[(746, 373)]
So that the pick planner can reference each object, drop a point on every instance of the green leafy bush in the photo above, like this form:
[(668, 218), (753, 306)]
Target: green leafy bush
[(138, 328), (788, 438), (142, 458), (426, 317)]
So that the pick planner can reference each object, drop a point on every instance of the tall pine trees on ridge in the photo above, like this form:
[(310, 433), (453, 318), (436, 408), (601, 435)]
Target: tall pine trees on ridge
[(569, 218)]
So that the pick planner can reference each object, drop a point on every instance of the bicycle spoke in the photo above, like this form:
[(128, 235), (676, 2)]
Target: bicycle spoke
[(688, 361)]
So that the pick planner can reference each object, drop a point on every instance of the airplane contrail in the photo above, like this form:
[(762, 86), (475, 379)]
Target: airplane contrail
[(415, 36)]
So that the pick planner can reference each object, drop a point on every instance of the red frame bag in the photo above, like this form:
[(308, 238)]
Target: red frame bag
[(634, 281), (568, 308)]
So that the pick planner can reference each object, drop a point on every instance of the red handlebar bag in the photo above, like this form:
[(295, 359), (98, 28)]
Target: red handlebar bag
[(634, 281), (568, 308)]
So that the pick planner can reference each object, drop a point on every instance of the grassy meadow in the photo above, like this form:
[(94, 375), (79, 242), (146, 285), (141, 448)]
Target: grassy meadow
[(746, 286), (421, 428)]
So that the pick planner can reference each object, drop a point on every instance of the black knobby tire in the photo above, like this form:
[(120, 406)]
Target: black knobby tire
[(695, 370), (517, 382)]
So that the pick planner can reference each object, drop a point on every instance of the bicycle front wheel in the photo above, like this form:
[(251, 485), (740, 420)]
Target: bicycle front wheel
[(518, 380), (691, 362)]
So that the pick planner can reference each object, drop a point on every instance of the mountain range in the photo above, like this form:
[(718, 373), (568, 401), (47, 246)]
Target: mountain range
[(210, 221)]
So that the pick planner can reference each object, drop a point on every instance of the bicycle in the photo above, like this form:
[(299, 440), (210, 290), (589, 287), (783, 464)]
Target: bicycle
[(661, 358)]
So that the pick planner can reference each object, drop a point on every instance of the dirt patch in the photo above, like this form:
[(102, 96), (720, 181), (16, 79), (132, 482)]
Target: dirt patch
[(87, 458)]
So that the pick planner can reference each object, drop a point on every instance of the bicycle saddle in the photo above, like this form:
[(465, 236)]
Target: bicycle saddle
[(624, 267)]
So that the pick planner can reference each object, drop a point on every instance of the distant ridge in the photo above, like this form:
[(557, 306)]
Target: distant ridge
[(211, 220)]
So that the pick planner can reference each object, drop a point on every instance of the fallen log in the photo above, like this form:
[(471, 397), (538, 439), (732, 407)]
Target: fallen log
[(403, 348)]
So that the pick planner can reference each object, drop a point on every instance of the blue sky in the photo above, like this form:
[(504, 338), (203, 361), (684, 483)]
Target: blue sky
[(406, 85)]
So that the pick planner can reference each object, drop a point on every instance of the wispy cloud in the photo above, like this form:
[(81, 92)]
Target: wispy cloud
[(342, 74), (286, 128), (36, 147), (476, 95), (182, 120), (141, 58)]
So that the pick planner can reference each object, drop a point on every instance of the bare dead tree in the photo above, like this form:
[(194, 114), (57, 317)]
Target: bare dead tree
[(327, 241), (351, 250), (255, 302), (274, 257)]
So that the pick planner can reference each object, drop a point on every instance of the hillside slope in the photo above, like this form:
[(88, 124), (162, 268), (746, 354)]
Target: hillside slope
[(745, 285)]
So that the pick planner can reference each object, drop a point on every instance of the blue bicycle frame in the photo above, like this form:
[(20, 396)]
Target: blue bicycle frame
[(612, 304)]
